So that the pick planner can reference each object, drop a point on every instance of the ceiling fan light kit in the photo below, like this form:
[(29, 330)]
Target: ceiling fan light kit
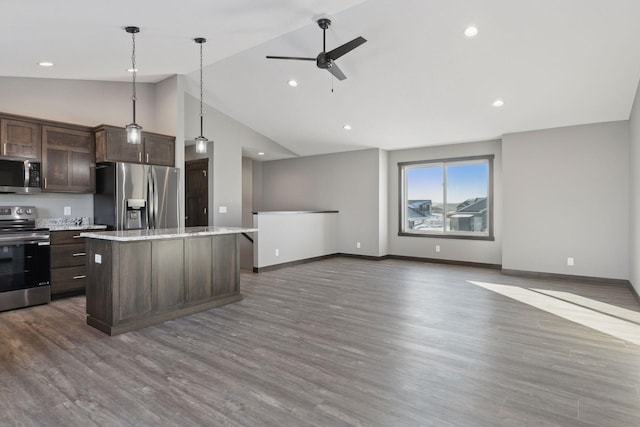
[(325, 60)]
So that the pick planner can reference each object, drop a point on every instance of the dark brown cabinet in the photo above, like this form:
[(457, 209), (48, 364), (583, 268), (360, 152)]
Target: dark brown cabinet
[(68, 256), (20, 138), (137, 283), (68, 160), (156, 149)]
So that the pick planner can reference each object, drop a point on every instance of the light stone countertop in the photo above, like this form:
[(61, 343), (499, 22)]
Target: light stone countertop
[(164, 233), (76, 227)]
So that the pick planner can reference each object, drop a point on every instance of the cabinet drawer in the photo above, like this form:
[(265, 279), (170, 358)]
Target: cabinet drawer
[(65, 237), (68, 279), (68, 255)]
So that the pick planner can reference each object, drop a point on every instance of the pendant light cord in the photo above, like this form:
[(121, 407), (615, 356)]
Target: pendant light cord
[(201, 93), (133, 63)]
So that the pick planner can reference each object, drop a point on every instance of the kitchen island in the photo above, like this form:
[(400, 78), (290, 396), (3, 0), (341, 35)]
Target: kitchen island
[(138, 278)]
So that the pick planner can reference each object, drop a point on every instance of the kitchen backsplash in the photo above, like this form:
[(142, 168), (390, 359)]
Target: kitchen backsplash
[(66, 221)]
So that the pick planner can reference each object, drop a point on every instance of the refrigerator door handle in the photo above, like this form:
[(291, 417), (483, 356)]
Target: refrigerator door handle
[(150, 191), (155, 198)]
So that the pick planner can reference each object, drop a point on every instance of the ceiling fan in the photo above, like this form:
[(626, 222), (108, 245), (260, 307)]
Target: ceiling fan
[(325, 60)]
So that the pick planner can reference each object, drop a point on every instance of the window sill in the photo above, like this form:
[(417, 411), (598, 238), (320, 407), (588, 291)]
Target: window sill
[(447, 236)]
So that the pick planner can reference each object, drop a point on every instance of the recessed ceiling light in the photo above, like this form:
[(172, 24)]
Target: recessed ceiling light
[(471, 32), (45, 64), (293, 83), (261, 154), (131, 70), (346, 127), (498, 103)]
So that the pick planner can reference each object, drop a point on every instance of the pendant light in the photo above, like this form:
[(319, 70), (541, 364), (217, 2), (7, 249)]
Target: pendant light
[(201, 141), (134, 131)]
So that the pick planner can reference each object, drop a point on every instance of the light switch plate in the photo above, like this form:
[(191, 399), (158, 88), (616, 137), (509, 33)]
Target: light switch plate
[(67, 210), (222, 209), (98, 259)]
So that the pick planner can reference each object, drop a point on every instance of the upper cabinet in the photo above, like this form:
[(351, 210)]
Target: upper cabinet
[(20, 138), (68, 160), (156, 149)]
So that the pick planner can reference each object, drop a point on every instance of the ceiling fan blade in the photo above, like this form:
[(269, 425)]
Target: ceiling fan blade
[(345, 48), (337, 73), (297, 58)]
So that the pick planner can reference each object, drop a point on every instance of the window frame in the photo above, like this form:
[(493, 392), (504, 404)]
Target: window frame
[(402, 198)]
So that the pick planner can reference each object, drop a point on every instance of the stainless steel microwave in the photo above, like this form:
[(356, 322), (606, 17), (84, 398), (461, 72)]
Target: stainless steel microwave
[(19, 176)]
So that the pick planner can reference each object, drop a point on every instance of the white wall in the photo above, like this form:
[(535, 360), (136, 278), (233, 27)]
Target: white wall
[(479, 251), (634, 194), (566, 194), (347, 182), (295, 236)]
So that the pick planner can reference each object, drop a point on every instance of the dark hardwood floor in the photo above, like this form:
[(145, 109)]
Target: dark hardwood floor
[(336, 342)]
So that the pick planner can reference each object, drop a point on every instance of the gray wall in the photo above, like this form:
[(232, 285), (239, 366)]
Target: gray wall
[(348, 182), (481, 251), (51, 205), (88, 103), (246, 247), (566, 194), (228, 138), (634, 193)]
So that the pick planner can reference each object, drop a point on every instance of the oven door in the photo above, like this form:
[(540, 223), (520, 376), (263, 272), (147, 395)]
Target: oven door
[(24, 264)]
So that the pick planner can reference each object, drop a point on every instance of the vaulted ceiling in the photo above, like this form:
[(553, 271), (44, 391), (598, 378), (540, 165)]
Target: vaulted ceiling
[(418, 80)]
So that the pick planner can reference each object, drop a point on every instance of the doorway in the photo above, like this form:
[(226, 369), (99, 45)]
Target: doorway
[(196, 193)]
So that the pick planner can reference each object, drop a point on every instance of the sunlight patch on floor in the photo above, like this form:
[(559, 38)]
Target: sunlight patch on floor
[(581, 310)]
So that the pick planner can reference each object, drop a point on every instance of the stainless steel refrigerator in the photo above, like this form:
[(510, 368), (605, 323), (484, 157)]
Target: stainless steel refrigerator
[(131, 196)]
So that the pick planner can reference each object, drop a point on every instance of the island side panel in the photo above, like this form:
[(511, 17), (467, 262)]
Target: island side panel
[(134, 290), (99, 264), (167, 259), (198, 271), (226, 264)]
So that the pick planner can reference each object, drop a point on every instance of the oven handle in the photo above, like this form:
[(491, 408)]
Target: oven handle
[(25, 239)]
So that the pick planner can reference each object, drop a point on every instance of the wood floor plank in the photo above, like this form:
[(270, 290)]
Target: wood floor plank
[(340, 342)]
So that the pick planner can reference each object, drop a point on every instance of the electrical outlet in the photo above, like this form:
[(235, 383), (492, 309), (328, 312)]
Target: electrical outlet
[(222, 209), (67, 210), (437, 248), (358, 245), (570, 261), (277, 252)]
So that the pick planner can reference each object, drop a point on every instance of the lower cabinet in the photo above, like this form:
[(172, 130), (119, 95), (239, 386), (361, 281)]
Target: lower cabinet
[(138, 283), (68, 271)]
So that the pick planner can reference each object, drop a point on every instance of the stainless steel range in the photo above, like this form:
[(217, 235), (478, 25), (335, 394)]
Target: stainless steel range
[(24, 259)]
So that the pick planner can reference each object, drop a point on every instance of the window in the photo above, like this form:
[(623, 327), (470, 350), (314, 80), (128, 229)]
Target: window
[(447, 198)]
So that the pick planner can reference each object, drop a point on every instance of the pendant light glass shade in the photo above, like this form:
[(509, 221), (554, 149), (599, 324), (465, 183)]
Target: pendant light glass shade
[(201, 144), (201, 141), (134, 131)]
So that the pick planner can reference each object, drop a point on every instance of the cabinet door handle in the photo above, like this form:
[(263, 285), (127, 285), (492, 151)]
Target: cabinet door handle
[(82, 276), (4, 149), (79, 254), (139, 156), (147, 157), (204, 211), (77, 236), (45, 182)]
